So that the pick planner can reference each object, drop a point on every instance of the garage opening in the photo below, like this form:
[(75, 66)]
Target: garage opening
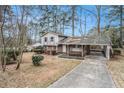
[(97, 50)]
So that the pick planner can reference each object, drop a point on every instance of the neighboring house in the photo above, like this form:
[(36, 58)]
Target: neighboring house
[(74, 46), (36, 45)]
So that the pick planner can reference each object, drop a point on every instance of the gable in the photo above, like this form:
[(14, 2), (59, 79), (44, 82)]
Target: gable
[(49, 33), (55, 33)]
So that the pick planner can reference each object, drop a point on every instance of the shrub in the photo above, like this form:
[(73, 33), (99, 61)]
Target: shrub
[(11, 55), (117, 52), (115, 46), (36, 60), (38, 49)]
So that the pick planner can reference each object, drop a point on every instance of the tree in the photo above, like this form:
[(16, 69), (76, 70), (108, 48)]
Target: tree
[(22, 28), (96, 15), (73, 19), (3, 11), (116, 13), (64, 18), (2, 20), (121, 18), (98, 8)]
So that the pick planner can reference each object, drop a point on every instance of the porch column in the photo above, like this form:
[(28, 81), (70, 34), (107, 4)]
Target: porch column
[(51, 48), (82, 51), (108, 52), (67, 49), (56, 49)]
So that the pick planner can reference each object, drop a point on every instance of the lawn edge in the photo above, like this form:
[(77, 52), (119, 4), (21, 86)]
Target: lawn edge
[(50, 86), (110, 75)]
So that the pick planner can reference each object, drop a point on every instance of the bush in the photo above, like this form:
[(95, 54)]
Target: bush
[(38, 49), (36, 59), (115, 46), (11, 55), (117, 52)]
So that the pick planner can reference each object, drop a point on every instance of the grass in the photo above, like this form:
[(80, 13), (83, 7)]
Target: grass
[(116, 67), (51, 69)]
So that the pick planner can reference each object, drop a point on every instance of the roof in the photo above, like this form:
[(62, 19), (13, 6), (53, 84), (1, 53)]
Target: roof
[(55, 33), (70, 40), (101, 39), (96, 40), (36, 45)]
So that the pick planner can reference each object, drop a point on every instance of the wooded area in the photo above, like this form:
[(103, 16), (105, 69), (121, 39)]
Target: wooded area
[(23, 25)]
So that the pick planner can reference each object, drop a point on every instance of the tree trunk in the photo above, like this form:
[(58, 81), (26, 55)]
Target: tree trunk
[(85, 24), (63, 25), (21, 38), (73, 16), (121, 36), (98, 7), (3, 55)]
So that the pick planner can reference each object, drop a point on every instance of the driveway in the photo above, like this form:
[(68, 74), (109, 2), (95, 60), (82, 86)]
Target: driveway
[(91, 73)]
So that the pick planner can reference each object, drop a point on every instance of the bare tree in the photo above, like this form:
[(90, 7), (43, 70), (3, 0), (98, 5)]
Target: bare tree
[(98, 8), (121, 18), (3, 10), (96, 14), (21, 24), (73, 19)]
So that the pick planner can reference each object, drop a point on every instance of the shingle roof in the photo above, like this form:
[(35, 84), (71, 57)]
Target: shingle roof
[(56, 33), (96, 40), (70, 40), (100, 39)]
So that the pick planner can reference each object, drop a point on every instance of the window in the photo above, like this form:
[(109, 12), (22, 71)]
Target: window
[(52, 39), (45, 39)]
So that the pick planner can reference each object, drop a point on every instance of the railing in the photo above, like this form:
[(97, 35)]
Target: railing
[(75, 53)]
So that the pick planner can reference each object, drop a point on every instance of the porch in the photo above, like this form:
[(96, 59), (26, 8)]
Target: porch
[(74, 51), (80, 51)]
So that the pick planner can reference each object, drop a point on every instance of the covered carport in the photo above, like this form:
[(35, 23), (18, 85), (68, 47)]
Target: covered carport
[(97, 44)]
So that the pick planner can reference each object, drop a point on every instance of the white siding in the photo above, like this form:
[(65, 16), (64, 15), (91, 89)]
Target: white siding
[(49, 35), (64, 48)]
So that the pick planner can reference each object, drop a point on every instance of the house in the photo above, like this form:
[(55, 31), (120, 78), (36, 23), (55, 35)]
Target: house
[(51, 41), (75, 46), (36, 45)]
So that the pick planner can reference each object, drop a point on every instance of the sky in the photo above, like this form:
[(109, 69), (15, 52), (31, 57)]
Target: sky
[(90, 19)]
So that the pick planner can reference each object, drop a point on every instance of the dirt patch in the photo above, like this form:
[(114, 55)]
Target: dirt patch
[(116, 67), (51, 69)]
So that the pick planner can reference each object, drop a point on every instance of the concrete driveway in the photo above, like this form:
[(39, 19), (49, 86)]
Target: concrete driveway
[(91, 73)]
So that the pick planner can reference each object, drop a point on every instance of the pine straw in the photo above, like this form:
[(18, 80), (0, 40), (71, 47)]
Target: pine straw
[(116, 67), (51, 69)]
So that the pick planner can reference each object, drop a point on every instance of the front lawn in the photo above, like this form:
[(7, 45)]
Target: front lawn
[(116, 67), (52, 69)]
